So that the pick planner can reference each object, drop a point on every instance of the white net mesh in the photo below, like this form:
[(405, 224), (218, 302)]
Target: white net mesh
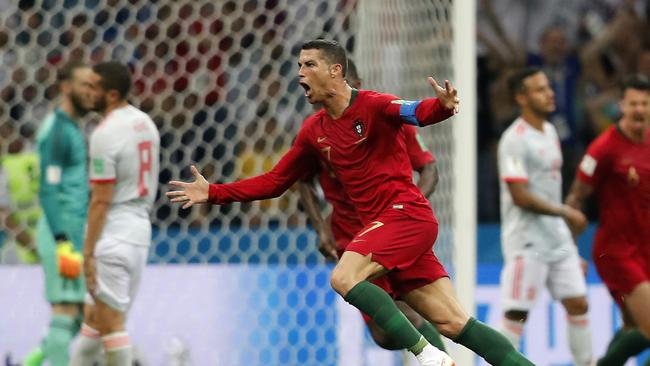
[(219, 79), (399, 44)]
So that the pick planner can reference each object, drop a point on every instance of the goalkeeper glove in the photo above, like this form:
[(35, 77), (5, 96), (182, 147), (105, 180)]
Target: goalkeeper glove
[(69, 261)]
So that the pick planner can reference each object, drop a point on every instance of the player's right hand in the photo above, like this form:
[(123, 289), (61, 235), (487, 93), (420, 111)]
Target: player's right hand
[(576, 220), (69, 261), (190, 192)]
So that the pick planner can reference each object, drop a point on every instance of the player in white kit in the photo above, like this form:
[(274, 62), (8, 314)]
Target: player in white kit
[(537, 242), (124, 164)]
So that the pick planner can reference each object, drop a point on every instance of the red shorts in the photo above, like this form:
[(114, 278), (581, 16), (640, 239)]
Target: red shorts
[(622, 268), (404, 246), (343, 237)]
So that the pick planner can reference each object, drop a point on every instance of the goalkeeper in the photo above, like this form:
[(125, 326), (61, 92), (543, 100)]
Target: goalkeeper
[(64, 198)]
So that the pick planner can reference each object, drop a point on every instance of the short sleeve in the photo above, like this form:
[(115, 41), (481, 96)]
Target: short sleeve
[(103, 157), (419, 154), (512, 160)]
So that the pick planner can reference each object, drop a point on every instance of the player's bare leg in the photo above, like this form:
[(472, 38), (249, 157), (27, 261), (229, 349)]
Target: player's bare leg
[(89, 345), (638, 303), (513, 325), (349, 279), (631, 339), (437, 303), (115, 340), (578, 330)]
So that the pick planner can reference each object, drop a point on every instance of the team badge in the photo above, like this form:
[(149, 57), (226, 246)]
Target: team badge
[(632, 176), (358, 127)]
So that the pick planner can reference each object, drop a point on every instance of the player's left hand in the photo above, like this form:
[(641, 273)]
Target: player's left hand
[(190, 192), (448, 95)]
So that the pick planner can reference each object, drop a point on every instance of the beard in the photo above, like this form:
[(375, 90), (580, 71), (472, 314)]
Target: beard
[(78, 104), (100, 104)]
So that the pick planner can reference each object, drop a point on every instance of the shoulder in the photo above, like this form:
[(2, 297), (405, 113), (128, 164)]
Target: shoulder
[(603, 143), (374, 97), (517, 131), (308, 125)]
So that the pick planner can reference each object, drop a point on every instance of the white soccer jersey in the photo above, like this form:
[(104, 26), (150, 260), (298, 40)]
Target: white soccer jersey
[(529, 155), (124, 149)]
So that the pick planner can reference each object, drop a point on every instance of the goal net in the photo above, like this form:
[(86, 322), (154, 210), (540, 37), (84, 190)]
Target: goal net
[(219, 78)]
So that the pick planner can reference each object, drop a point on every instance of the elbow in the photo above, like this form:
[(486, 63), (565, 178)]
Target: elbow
[(521, 202)]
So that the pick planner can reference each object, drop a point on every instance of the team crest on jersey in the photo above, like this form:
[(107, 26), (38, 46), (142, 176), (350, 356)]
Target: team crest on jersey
[(359, 129)]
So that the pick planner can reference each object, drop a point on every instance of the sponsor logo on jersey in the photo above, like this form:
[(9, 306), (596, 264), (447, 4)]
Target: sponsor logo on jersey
[(632, 176), (98, 166), (359, 129)]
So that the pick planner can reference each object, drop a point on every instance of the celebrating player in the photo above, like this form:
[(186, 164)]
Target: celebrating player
[(616, 168), (357, 135), (537, 244), (336, 231), (63, 194), (124, 176)]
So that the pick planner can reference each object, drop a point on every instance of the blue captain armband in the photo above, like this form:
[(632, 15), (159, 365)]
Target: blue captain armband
[(407, 111)]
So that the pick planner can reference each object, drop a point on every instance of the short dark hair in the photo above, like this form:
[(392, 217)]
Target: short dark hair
[(115, 76), (332, 51), (352, 74), (637, 82), (66, 72), (516, 80)]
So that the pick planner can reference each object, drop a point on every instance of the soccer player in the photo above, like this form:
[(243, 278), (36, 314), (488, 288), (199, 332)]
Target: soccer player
[(63, 195), (124, 178), (336, 231), (538, 247), (616, 168), (358, 136)]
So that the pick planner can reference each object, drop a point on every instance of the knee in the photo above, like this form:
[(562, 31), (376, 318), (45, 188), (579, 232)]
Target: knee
[(452, 328), (341, 281), (577, 306)]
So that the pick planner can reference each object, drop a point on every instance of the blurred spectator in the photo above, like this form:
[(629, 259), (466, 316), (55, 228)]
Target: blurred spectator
[(19, 210)]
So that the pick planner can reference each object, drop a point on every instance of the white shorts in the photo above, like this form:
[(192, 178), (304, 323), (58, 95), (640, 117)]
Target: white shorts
[(524, 276), (119, 270)]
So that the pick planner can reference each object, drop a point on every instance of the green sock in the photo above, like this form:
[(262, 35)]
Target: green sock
[(493, 346), (375, 302), (625, 344), (432, 335), (34, 358), (57, 342)]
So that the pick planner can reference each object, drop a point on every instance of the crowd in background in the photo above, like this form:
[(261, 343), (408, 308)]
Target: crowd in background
[(586, 48)]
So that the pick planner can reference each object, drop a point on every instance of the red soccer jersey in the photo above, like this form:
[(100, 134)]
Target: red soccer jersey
[(364, 148), (344, 220), (619, 171)]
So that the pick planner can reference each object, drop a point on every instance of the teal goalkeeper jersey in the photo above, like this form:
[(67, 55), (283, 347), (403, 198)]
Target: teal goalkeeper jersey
[(63, 189)]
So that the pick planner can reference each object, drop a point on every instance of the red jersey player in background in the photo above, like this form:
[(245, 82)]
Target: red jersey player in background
[(616, 168), (358, 136), (337, 230)]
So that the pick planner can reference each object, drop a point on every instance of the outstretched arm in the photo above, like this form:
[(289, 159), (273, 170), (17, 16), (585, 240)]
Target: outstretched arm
[(427, 111), (293, 165)]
